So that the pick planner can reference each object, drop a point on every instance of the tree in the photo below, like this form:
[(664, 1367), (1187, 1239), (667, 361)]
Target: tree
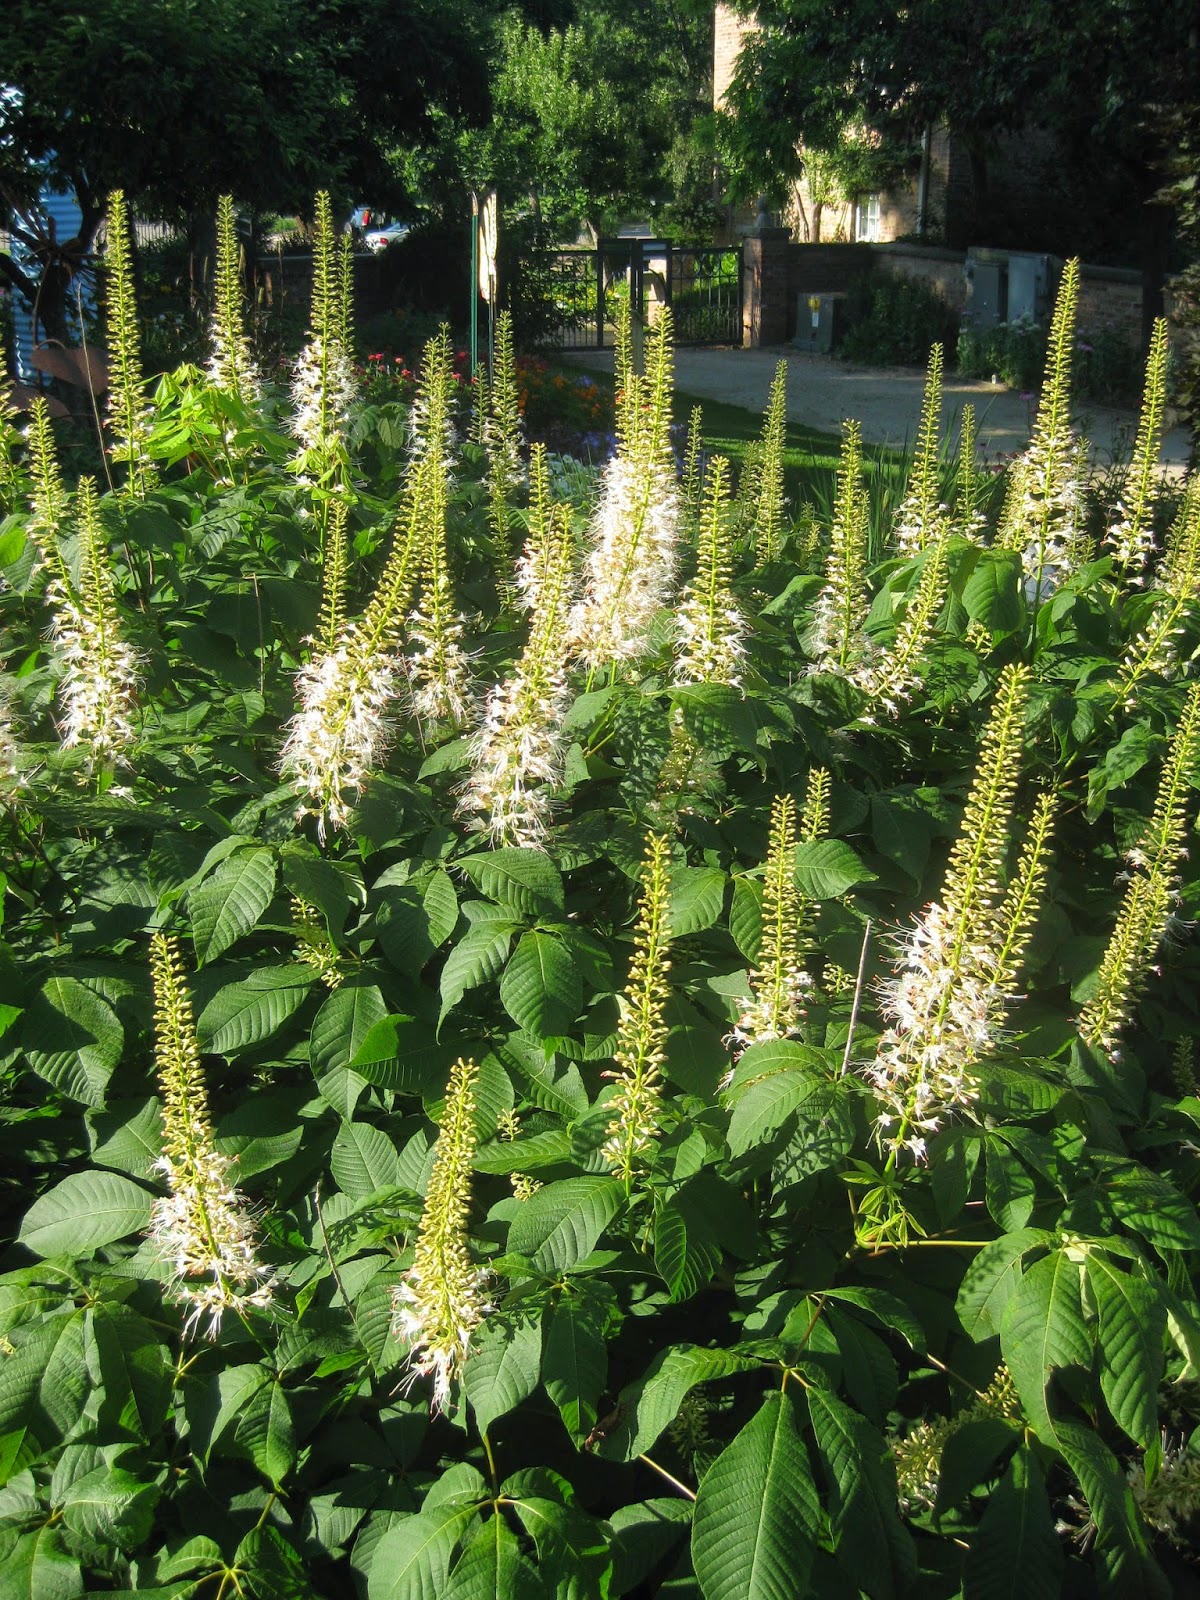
[(177, 103), (1098, 77)]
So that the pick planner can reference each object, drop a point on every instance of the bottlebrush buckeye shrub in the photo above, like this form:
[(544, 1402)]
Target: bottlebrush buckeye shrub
[(625, 1047)]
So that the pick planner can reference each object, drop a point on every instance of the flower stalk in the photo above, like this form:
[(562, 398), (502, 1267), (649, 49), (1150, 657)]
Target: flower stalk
[(441, 1299), (231, 365), (635, 1110), (201, 1227), (711, 629), (128, 413)]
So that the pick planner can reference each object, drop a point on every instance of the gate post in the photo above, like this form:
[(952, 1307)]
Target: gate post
[(764, 287)]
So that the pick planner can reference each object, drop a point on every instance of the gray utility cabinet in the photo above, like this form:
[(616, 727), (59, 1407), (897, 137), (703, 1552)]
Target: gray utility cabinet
[(1007, 286), (820, 319)]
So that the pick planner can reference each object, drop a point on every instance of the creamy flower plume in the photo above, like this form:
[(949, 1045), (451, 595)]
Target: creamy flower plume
[(957, 964), (921, 517), (1152, 893), (894, 675), (1131, 536), (503, 434), (635, 1110), (201, 1227), (98, 687), (437, 663), (1154, 650), (346, 691), (49, 502), (710, 627), (630, 569), (517, 753), (323, 381), (129, 415), (779, 985), (837, 639), (442, 1299), (1043, 515), (770, 498), (231, 364)]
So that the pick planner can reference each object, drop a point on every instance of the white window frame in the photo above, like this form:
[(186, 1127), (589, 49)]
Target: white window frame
[(867, 219)]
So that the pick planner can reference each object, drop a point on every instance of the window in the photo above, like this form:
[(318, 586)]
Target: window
[(866, 219)]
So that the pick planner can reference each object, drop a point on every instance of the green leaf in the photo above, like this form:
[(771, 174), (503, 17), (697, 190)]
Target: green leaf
[(341, 1025), (565, 1095), (687, 1250), (757, 1518), (762, 1109), (265, 1432), (242, 1015), (1153, 1207), (541, 988), (884, 1308), (524, 881), (992, 593), (575, 1357), (128, 1136), (230, 901), (1010, 1189), (1129, 1571), (745, 917), (697, 896), (872, 1544), (989, 1281), (651, 1404), (718, 718), (111, 1506), (868, 1371), (38, 1567), (134, 1375), (476, 958), (83, 1212), (493, 1568), (1015, 1552), (363, 1160), (43, 1387), (828, 868), (71, 1037), (1133, 1323), (412, 1560), (644, 1533), (505, 1363), (401, 1054), (1044, 1328), (559, 1226), (273, 1566)]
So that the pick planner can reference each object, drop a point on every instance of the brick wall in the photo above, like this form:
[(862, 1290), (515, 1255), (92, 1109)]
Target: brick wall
[(1110, 299), (728, 32), (940, 269)]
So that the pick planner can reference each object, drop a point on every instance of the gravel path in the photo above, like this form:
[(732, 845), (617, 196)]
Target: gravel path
[(823, 392)]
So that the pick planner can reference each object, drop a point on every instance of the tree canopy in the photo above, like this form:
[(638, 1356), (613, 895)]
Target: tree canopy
[(1101, 78)]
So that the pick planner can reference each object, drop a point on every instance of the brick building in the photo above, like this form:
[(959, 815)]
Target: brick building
[(947, 198)]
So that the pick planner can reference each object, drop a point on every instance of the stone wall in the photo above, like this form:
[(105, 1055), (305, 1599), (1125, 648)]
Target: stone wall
[(779, 272)]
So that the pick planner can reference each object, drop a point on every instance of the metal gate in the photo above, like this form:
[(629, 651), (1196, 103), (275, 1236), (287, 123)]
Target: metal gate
[(571, 298)]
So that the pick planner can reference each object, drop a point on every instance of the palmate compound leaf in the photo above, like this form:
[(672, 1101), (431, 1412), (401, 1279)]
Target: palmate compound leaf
[(43, 1388), (757, 1517), (1015, 1553), (1044, 1328), (872, 1544), (492, 1567)]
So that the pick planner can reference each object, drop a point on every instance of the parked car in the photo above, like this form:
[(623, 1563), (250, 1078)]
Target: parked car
[(378, 239)]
